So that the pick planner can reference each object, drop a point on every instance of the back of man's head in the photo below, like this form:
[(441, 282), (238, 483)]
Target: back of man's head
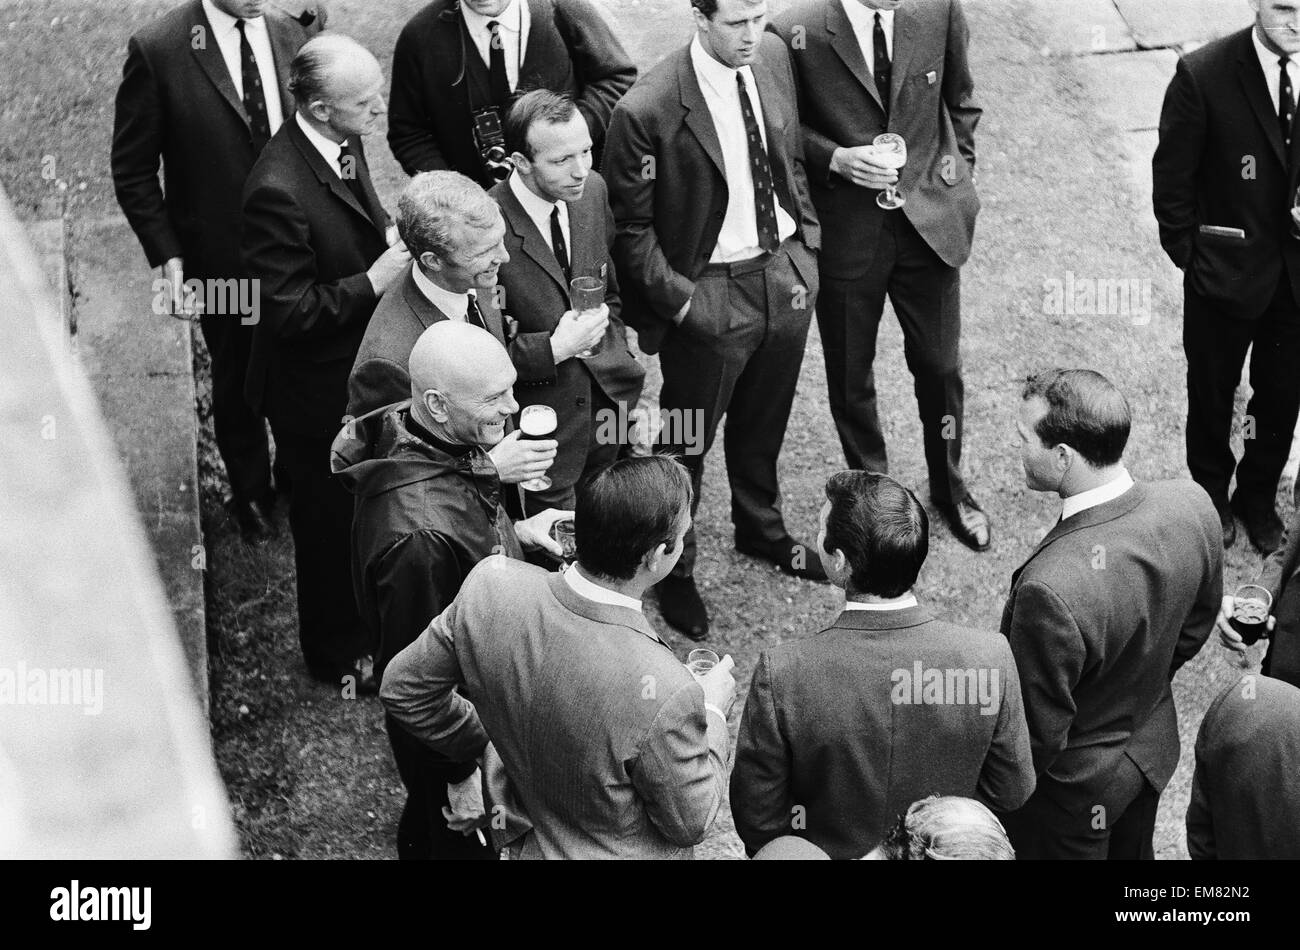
[(434, 205), (946, 828), (323, 63), (1084, 411), (627, 511), (882, 529)]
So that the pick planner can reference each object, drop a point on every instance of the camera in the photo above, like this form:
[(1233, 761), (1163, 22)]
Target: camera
[(491, 142)]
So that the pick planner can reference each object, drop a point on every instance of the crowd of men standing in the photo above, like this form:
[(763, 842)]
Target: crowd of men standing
[(393, 359)]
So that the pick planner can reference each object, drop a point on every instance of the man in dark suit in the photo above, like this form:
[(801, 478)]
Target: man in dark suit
[(203, 89), (865, 67), (314, 235), (459, 64), (844, 730), (716, 255), (456, 237), (1119, 594), (1225, 179), (1245, 798), (594, 740), (558, 228), (428, 508)]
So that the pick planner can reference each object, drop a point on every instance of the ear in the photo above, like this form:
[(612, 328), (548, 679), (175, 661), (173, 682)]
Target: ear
[(430, 261), (654, 557), (840, 562), (436, 405), (318, 110), (521, 162)]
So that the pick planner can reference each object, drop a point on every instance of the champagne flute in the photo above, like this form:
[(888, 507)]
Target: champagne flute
[(587, 294), (537, 422), (891, 151)]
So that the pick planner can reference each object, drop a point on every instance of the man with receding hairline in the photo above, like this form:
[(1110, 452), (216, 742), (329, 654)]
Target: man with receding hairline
[(316, 238), (428, 508)]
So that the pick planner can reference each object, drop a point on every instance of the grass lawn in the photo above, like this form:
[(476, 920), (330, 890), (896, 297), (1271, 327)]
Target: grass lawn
[(309, 773)]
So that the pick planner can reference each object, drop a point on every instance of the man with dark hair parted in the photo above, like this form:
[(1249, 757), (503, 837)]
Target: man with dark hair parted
[(603, 745), (843, 731), (1119, 594)]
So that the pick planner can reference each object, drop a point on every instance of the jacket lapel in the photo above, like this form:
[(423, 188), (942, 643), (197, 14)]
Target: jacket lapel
[(587, 236), (1100, 514), (327, 175), (531, 241), (773, 107), (908, 32), (698, 118), (284, 45), (845, 43), (1255, 87), (426, 314), (208, 55)]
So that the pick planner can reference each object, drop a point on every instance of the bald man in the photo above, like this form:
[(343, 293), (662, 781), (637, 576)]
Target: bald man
[(316, 242), (428, 508)]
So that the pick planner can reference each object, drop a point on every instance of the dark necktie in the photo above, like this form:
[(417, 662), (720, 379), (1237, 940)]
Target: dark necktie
[(472, 315), (764, 193), (557, 242), (882, 68), (259, 123), (351, 172), (1285, 100), (498, 84)]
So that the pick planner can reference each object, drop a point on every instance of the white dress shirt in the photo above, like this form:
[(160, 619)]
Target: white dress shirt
[(514, 22), (226, 33), (738, 239), (539, 211), (863, 20), (1097, 496), (590, 590), (330, 150), (453, 305), (1273, 70), (902, 603)]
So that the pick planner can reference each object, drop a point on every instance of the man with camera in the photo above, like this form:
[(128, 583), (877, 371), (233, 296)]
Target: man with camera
[(459, 64)]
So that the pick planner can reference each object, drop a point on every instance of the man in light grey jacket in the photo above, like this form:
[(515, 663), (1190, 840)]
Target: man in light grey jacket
[(602, 745)]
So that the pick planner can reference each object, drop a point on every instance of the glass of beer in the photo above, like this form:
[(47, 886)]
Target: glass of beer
[(562, 531), (587, 294), (1250, 606), (537, 422), (891, 151), (699, 662)]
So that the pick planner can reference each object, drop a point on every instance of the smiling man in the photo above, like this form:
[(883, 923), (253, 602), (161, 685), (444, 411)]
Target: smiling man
[(428, 508), (558, 228)]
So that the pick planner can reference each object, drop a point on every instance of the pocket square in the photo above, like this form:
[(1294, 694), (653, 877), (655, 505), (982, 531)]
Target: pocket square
[(931, 77)]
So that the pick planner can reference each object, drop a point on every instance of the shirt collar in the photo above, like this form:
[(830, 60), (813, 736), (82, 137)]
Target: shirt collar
[(511, 18), (864, 18), (1267, 58), (901, 604), (450, 303), (535, 206), (720, 79), (329, 149), (590, 590), (1097, 496)]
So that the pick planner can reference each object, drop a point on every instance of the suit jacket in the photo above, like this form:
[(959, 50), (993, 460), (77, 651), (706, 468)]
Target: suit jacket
[(664, 166), (1110, 604), (309, 241), (537, 295), (1279, 576), (571, 49), (177, 105), (381, 372), (838, 737), (1221, 162), (931, 104), (604, 746), (1245, 798)]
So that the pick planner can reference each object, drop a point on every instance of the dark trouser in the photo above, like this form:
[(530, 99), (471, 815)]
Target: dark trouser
[(926, 294), (737, 353), (240, 432), (422, 832), (1216, 346), (1119, 826), (600, 455), (320, 517)]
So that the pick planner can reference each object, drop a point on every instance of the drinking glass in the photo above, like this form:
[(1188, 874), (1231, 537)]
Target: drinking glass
[(699, 662), (1250, 606), (537, 422), (562, 531), (891, 151), (587, 294)]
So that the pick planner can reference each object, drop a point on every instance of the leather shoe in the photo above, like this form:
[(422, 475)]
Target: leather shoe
[(255, 522), (1263, 526), (1229, 525), (682, 607), (969, 523), (361, 671), (792, 557)]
